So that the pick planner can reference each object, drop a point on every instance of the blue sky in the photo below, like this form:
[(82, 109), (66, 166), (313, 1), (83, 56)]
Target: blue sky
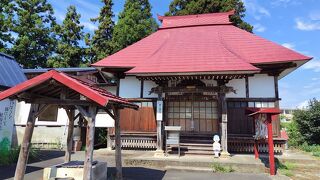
[(292, 23)]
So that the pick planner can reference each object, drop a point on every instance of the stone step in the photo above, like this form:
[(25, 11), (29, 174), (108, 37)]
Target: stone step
[(182, 163)]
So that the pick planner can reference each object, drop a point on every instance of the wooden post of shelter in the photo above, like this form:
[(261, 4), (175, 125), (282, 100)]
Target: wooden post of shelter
[(70, 114), (116, 111), (35, 110), (90, 117)]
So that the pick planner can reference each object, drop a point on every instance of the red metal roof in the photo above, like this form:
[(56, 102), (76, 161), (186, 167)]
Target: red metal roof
[(199, 43), (96, 94)]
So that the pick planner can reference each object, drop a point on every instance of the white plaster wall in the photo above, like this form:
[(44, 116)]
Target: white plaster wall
[(240, 86), (147, 85), (42, 134), (130, 87), (261, 86), (104, 120)]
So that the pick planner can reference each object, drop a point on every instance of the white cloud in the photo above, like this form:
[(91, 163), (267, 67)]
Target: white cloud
[(303, 105), (312, 65), (259, 28), (255, 9), (90, 26), (307, 25), (288, 45)]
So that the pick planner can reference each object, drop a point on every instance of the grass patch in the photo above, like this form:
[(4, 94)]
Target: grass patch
[(216, 167), (313, 149), (10, 155), (285, 168)]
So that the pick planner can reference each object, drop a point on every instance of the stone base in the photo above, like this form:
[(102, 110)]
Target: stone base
[(99, 172), (159, 153), (224, 154)]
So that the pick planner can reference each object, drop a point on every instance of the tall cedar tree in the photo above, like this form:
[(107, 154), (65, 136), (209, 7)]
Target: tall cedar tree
[(100, 44), (6, 17), (35, 41), (135, 22), (70, 33), (188, 7)]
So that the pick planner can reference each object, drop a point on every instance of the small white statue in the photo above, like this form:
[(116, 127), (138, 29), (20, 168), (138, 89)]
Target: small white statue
[(216, 146)]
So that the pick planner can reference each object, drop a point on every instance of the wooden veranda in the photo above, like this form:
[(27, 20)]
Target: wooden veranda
[(70, 93)]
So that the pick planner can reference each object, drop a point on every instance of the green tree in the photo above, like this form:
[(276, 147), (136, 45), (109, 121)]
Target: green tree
[(100, 44), (68, 53), (188, 7), (6, 18), (308, 122), (33, 24), (135, 22)]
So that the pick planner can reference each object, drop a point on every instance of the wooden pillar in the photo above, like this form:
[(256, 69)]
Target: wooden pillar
[(26, 143), (270, 144), (118, 143), (256, 149), (159, 120), (109, 143), (90, 117), (224, 121), (67, 156)]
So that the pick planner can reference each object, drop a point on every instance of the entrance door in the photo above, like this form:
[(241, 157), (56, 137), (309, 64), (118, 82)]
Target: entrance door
[(194, 115)]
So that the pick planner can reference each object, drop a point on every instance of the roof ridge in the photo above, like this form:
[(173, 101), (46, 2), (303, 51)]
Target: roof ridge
[(231, 12)]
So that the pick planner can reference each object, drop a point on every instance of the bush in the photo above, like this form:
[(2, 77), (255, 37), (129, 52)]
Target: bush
[(10, 155), (308, 123)]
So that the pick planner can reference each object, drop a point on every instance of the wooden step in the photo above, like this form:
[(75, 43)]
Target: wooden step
[(193, 152), (191, 148), (196, 141), (196, 144)]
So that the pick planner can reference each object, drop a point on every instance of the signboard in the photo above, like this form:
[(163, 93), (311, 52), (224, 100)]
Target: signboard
[(261, 127), (159, 110), (7, 111)]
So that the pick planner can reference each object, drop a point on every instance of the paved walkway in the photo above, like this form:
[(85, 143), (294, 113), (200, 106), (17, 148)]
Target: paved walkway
[(131, 171)]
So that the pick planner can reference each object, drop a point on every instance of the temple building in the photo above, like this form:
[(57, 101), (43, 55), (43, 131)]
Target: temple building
[(202, 72)]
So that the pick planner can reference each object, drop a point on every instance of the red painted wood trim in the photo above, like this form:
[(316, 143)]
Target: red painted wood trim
[(26, 85), (256, 150), (270, 144)]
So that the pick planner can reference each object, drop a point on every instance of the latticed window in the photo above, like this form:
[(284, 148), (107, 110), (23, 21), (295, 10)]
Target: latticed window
[(196, 116)]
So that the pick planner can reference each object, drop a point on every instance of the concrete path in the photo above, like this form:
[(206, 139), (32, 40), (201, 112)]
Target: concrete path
[(35, 170)]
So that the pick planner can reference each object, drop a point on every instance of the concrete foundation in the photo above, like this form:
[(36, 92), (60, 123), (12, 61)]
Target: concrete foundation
[(99, 171)]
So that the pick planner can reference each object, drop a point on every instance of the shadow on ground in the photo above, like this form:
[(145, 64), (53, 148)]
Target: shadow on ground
[(8, 171), (43, 155), (137, 173)]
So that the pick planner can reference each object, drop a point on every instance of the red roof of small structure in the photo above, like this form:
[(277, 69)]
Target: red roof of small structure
[(199, 43), (253, 111), (87, 89)]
